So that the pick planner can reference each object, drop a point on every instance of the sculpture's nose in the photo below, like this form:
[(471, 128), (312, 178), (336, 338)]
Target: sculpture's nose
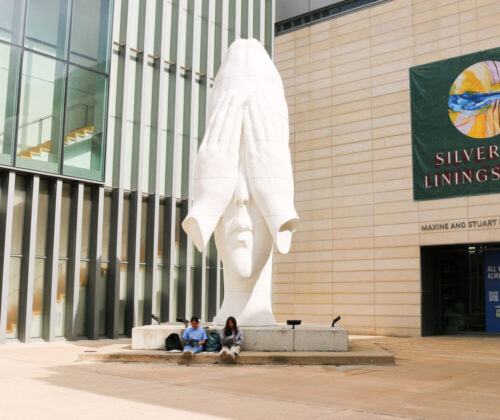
[(243, 221), (241, 197)]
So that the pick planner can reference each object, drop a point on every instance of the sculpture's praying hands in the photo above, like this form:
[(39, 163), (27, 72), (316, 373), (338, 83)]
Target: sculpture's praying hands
[(269, 169), (216, 170)]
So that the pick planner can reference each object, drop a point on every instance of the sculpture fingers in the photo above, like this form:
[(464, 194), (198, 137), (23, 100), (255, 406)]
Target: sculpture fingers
[(199, 227), (281, 218), (234, 142), (228, 123), (219, 118), (212, 120), (212, 195), (259, 133), (282, 130), (275, 117), (283, 237), (248, 134), (266, 116)]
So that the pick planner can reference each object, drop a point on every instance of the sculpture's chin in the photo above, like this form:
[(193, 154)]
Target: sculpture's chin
[(242, 265)]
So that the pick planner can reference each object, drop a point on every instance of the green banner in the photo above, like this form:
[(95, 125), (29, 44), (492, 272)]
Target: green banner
[(455, 119)]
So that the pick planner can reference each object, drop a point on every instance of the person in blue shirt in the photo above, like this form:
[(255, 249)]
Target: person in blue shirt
[(194, 338)]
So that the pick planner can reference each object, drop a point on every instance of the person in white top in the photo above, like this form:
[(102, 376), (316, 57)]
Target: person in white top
[(231, 339)]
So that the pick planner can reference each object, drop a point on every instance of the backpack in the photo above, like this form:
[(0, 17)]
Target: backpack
[(213, 342), (173, 342)]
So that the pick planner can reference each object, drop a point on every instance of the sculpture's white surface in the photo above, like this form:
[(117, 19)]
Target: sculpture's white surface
[(243, 187)]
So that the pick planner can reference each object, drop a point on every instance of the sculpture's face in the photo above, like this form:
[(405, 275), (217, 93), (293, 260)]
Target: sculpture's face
[(242, 236)]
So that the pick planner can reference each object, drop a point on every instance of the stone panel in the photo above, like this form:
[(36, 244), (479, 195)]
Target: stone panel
[(360, 237)]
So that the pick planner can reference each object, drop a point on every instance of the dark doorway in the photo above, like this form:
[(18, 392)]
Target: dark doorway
[(453, 295)]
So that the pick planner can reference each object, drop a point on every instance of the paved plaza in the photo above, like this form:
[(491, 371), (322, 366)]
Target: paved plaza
[(434, 378)]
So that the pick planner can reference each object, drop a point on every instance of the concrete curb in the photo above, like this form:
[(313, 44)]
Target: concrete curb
[(364, 354)]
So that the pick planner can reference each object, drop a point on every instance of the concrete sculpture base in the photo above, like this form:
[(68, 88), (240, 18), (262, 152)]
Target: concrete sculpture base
[(278, 338)]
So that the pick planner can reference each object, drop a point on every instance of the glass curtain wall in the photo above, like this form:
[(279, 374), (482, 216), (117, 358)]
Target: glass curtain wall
[(53, 90), (85, 124), (40, 113), (11, 21), (10, 58)]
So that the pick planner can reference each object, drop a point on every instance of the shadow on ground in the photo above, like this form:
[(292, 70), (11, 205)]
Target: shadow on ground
[(442, 377)]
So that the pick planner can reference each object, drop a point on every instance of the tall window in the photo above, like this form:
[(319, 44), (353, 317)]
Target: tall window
[(54, 71)]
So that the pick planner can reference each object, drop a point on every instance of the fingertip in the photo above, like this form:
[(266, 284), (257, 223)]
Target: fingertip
[(284, 241), (253, 99), (246, 118)]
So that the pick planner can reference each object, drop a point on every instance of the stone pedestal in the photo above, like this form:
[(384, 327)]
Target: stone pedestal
[(317, 337), (306, 337), (152, 337)]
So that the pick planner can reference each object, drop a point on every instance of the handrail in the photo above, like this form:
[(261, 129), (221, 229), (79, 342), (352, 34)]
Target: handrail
[(39, 120)]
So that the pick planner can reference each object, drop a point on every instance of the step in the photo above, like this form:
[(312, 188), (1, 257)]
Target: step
[(360, 353)]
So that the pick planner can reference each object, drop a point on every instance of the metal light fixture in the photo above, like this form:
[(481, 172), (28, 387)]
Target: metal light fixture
[(184, 320), (293, 322)]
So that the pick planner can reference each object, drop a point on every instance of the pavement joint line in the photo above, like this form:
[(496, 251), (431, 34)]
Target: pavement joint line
[(13, 359), (378, 413)]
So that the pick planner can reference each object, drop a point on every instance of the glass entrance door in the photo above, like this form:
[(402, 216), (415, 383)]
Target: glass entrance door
[(453, 288), (462, 290)]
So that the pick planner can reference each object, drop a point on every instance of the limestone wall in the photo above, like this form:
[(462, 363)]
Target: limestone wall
[(347, 84)]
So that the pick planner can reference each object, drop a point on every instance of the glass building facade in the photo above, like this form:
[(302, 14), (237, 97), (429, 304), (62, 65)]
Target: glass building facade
[(102, 109), (54, 85)]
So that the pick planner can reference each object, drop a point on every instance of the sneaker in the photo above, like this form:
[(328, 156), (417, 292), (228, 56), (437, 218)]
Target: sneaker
[(224, 356), (187, 355), (231, 357)]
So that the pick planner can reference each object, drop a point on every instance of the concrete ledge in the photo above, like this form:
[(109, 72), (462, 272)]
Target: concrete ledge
[(277, 338), (360, 353), (152, 337)]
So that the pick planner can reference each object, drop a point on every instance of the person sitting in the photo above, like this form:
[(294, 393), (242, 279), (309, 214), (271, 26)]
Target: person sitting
[(231, 339), (194, 338)]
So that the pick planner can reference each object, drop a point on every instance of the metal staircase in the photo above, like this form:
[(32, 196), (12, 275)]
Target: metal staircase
[(41, 151)]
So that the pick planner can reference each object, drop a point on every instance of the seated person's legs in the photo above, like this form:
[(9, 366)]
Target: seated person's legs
[(235, 350), (188, 353), (224, 352), (198, 349)]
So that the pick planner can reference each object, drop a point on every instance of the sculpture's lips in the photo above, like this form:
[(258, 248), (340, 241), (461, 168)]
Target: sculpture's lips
[(247, 68), (244, 236)]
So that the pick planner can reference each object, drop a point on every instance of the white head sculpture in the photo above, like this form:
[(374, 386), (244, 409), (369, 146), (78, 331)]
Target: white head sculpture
[(243, 187)]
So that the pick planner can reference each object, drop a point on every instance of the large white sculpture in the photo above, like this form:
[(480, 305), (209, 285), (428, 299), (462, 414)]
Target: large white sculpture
[(243, 187)]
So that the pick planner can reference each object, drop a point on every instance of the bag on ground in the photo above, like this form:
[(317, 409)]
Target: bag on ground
[(173, 342), (213, 341)]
